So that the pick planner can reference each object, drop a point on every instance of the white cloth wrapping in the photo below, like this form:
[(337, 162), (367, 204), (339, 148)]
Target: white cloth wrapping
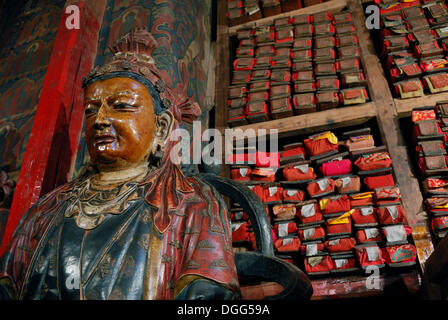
[(395, 233), (243, 171), (239, 215), (345, 181), (393, 210), (334, 242), (308, 210), (340, 262), (308, 233), (373, 253), (272, 191), (291, 192), (236, 225), (367, 211), (371, 233), (303, 167), (311, 249), (283, 229), (323, 184)]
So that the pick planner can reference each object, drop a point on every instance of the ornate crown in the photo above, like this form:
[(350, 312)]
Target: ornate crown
[(132, 54)]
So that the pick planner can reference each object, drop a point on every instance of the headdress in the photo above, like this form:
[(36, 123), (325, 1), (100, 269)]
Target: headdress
[(133, 59)]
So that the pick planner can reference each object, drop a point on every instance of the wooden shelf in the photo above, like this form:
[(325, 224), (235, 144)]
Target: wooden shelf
[(383, 107), (330, 6), (405, 106), (322, 120)]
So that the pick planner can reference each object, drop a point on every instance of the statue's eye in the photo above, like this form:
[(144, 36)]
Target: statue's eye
[(121, 106), (90, 111)]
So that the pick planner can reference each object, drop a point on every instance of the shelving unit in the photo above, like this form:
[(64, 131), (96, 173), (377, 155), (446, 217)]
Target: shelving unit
[(382, 106)]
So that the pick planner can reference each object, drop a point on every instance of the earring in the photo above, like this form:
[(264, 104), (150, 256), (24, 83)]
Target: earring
[(156, 156)]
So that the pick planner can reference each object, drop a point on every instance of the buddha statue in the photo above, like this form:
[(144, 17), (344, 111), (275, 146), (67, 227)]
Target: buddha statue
[(133, 225)]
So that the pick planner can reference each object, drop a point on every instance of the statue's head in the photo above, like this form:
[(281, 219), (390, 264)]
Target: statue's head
[(130, 111)]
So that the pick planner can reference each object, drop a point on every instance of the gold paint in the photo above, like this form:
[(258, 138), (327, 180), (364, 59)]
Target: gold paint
[(184, 281), (153, 266)]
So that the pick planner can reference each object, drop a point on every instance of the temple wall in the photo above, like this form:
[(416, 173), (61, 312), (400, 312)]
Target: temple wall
[(26, 41), (184, 54)]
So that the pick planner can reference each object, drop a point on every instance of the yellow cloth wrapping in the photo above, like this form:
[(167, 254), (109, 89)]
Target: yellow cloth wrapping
[(343, 218), (328, 135)]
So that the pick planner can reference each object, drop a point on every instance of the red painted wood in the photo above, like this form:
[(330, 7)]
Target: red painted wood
[(53, 141)]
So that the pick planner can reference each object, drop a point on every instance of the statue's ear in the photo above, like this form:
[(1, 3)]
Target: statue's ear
[(164, 126)]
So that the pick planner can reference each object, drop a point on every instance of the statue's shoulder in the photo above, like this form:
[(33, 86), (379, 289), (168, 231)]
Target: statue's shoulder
[(57, 196)]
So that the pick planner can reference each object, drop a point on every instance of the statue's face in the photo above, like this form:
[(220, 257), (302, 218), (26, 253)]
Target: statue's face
[(120, 123)]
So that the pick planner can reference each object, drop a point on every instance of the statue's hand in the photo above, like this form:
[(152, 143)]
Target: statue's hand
[(206, 290)]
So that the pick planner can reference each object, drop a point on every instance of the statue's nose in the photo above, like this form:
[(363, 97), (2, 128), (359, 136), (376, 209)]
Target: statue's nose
[(102, 120)]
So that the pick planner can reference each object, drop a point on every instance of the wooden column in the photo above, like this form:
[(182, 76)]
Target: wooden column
[(53, 141)]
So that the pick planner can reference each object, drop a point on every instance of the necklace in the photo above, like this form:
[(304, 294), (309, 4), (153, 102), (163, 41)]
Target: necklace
[(90, 203)]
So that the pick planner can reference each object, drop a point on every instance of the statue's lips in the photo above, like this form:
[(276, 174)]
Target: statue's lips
[(104, 139)]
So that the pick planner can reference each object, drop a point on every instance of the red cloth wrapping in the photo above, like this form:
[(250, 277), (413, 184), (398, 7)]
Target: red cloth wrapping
[(386, 217), (362, 237), (293, 195), (363, 258), (241, 174), (307, 216), (253, 241), (365, 215), (259, 191), (340, 245), (337, 167), (340, 204), (317, 147), (399, 254), (332, 229), (284, 211), (373, 161), (325, 264), (354, 185), (439, 223), (289, 152), (242, 233), (314, 189), (293, 246), (272, 194), (292, 173), (263, 174), (292, 228), (319, 232), (375, 182)]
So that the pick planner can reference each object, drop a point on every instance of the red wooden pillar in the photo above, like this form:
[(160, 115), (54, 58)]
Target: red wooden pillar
[(53, 141)]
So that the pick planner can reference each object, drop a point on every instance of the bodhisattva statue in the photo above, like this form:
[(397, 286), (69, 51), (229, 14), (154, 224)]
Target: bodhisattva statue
[(133, 226)]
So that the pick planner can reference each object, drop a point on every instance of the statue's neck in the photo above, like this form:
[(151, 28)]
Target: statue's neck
[(129, 174)]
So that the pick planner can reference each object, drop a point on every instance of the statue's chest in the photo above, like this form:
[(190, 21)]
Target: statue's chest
[(107, 262)]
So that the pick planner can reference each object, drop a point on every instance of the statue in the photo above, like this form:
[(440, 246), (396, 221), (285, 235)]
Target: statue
[(133, 226)]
